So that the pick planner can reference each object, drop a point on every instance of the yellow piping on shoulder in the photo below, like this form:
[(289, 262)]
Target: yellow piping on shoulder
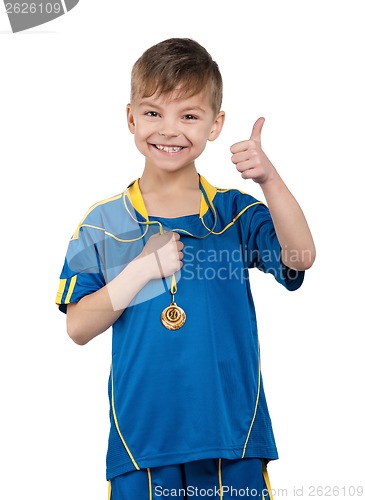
[(76, 233)]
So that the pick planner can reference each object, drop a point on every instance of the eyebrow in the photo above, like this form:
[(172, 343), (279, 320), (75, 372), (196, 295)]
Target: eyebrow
[(151, 104), (194, 108)]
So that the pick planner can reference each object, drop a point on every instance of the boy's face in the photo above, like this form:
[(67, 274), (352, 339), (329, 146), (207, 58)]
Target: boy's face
[(172, 132)]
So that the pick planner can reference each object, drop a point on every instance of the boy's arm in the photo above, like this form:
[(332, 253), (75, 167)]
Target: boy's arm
[(297, 246), (96, 312)]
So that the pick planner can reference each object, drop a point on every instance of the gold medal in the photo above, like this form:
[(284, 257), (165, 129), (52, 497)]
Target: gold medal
[(173, 317)]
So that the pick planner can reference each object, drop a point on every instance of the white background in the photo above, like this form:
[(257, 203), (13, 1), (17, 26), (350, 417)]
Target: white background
[(65, 145)]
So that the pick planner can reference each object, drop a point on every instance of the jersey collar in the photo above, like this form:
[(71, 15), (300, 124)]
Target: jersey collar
[(134, 195)]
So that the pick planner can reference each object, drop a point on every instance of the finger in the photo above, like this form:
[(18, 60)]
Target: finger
[(170, 235), (241, 157), (244, 167), (257, 129), (248, 174), (239, 147), (175, 236)]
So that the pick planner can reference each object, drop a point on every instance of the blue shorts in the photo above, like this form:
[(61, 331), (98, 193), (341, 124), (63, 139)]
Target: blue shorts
[(214, 478)]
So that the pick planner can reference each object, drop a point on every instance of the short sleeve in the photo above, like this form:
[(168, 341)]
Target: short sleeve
[(82, 272), (264, 251)]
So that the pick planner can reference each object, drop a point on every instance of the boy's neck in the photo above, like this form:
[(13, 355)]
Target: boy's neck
[(171, 194), (162, 182)]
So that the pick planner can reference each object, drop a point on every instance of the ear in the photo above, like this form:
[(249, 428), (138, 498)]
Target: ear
[(130, 119), (217, 126)]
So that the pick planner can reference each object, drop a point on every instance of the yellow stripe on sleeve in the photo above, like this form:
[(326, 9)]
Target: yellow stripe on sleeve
[(60, 291), (71, 289)]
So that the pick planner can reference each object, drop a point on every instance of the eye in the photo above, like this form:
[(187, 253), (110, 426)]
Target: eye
[(190, 117), (154, 114)]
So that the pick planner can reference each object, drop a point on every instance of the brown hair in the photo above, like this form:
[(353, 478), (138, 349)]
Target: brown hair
[(177, 64)]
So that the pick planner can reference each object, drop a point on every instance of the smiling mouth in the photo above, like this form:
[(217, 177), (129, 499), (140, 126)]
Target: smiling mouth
[(168, 149)]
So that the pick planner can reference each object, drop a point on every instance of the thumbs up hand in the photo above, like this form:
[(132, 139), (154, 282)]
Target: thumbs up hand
[(250, 159)]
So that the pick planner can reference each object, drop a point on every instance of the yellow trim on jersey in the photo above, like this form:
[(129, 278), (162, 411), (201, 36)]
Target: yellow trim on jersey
[(117, 426), (109, 490), (102, 202), (107, 233), (60, 291), (220, 479), (256, 405), (210, 192), (267, 481), (135, 196), (71, 289), (133, 193), (236, 217), (149, 483)]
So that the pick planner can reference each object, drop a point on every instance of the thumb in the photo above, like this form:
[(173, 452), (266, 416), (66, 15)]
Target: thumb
[(257, 129)]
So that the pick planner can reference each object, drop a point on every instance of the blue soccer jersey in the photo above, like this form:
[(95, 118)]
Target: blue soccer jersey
[(182, 395)]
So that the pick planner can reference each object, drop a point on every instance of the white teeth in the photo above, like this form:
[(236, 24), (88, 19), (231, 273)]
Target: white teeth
[(168, 149)]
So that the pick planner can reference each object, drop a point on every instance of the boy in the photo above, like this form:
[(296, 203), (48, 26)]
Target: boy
[(166, 264)]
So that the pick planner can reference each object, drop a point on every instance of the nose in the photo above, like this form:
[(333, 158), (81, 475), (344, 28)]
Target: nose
[(168, 128)]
